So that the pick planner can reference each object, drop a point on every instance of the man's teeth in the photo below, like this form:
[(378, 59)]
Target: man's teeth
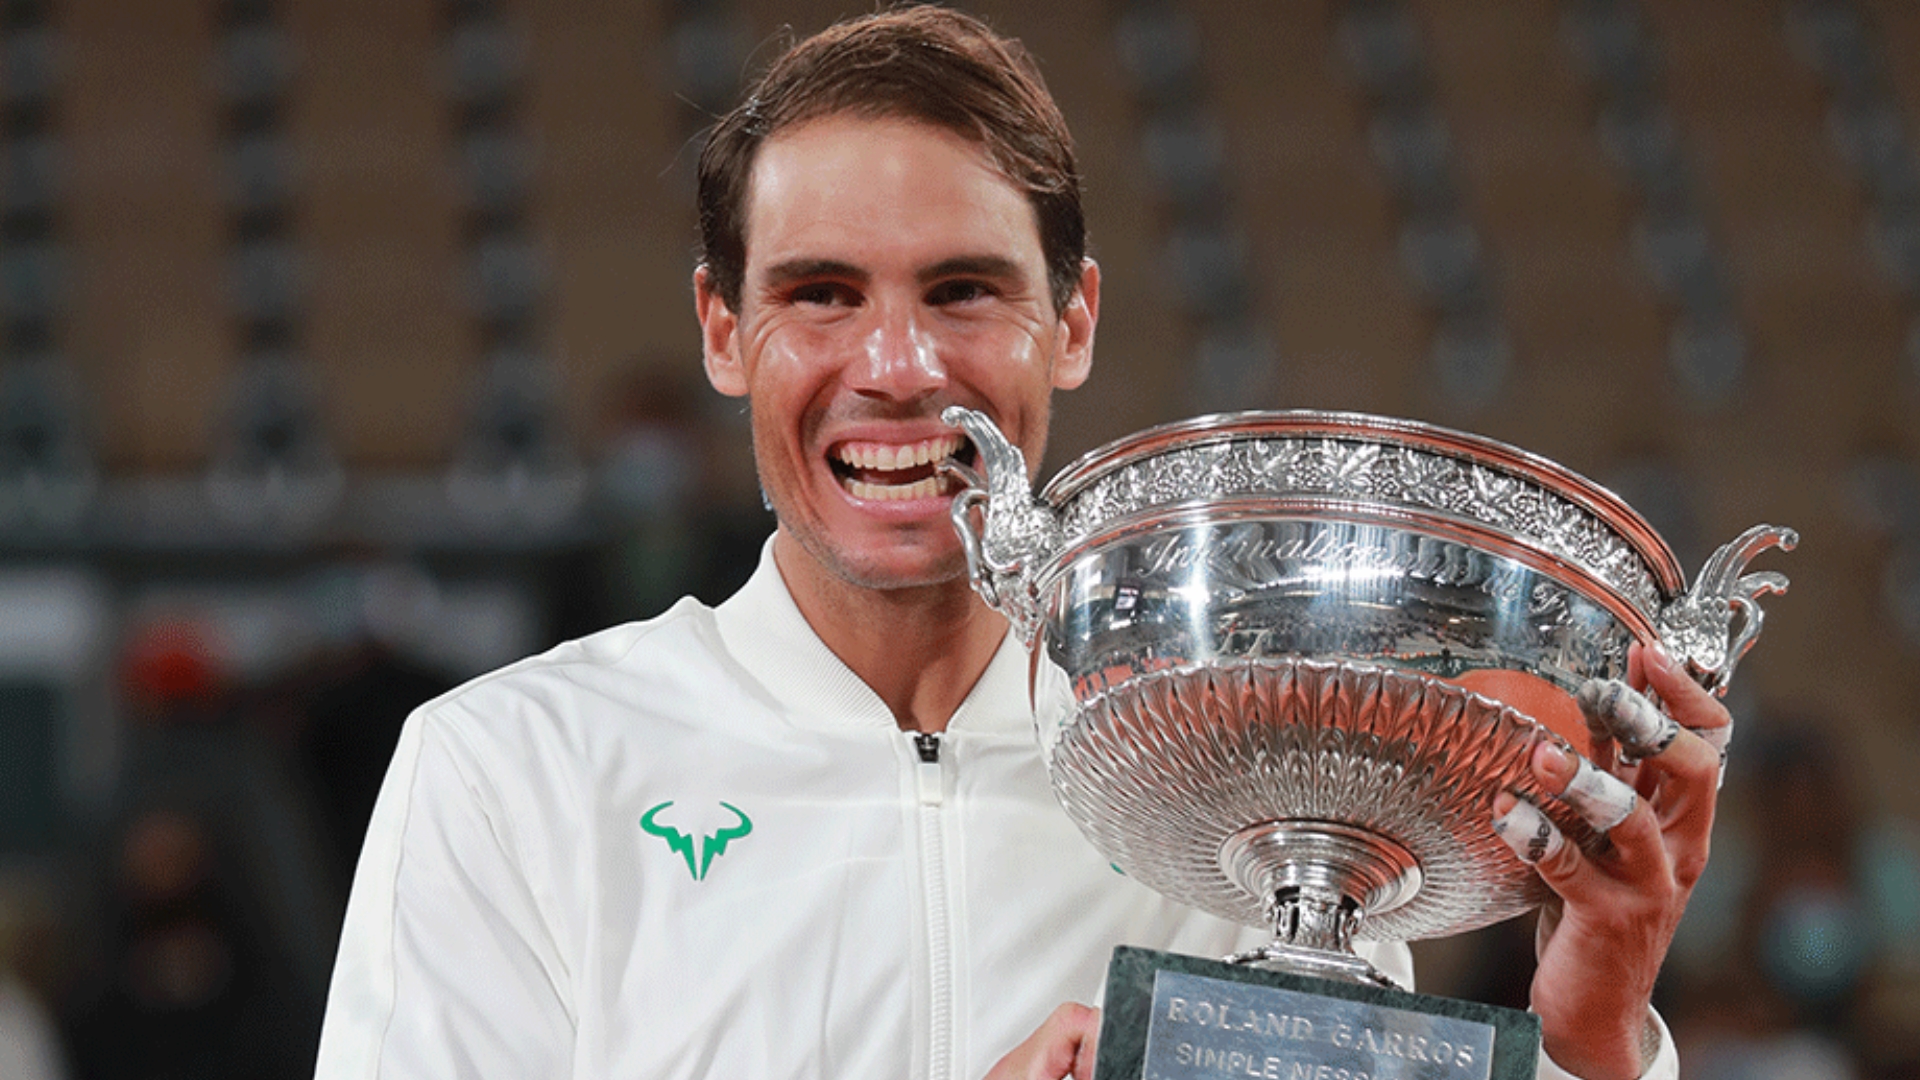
[(885, 456), (919, 489), (866, 467)]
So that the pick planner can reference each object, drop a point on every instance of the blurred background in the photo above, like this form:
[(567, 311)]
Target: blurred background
[(346, 351)]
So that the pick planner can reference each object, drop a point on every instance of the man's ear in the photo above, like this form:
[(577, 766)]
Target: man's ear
[(718, 327), (1075, 359)]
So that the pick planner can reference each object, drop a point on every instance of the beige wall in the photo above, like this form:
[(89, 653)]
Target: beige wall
[(378, 213)]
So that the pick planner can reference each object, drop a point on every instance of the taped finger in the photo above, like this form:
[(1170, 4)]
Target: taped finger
[(1528, 832), (1600, 797), (1613, 708), (1719, 738)]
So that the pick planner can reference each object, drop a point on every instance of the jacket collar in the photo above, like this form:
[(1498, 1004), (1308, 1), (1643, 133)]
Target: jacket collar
[(765, 633)]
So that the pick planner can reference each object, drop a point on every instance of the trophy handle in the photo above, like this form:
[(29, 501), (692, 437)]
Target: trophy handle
[(1698, 627), (1003, 529)]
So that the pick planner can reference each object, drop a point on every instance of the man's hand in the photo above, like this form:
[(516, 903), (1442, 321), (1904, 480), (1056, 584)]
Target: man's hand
[(1605, 933), (1062, 1047)]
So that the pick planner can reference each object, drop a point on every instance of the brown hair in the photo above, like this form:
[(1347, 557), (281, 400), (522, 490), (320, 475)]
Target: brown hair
[(922, 63)]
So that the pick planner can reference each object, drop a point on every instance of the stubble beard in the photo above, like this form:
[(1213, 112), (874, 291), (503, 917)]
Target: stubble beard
[(870, 574)]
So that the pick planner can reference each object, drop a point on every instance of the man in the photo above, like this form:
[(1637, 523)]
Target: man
[(807, 833)]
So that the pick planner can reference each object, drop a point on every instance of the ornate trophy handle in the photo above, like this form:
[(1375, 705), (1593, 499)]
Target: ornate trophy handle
[(1012, 531), (1699, 627)]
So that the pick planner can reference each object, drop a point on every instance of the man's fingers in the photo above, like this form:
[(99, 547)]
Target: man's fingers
[(1600, 797), (1085, 1023), (1690, 703), (1527, 831), (1063, 1046), (1689, 771), (1651, 728), (1618, 711)]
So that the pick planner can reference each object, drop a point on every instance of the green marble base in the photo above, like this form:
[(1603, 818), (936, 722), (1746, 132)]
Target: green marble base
[(1172, 1017)]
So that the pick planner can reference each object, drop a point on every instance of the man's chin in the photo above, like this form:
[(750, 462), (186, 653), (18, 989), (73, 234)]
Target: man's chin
[(927, 562), (903, 575)]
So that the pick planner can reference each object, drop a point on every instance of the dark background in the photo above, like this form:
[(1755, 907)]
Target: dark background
[(346, 351)]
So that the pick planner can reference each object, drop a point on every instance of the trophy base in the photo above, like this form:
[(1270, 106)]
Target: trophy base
[(1317, 963), (1172, 1017)]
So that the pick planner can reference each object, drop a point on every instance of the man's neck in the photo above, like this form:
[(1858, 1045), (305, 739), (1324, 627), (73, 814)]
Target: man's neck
[(920, 649)]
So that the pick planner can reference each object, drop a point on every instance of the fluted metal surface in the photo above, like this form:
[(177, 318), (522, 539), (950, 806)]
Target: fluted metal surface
[(1161, 770)]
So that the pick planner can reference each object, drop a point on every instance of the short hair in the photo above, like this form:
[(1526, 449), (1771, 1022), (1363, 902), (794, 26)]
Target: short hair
[(921, 63)]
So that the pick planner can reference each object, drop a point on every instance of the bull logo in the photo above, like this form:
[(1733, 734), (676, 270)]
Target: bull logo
[(712, 845)]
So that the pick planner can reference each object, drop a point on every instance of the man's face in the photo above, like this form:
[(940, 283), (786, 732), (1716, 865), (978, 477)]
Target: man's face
[(891, 271)]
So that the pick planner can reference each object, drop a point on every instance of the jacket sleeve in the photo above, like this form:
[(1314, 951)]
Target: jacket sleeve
[(1666, 1064), (446, 967)]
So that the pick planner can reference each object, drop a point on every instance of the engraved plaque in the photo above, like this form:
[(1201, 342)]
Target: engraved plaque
[(1202, 1026), (1172, 1017)]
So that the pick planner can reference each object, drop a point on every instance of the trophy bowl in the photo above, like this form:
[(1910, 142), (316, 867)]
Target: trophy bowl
[(1283, 661)]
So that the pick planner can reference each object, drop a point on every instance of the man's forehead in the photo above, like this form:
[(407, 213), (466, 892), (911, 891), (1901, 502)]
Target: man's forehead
[(882, 128), (852, 169)]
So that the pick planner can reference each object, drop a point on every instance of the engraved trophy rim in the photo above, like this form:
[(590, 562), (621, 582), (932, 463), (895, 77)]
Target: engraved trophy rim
[(1602, 502)]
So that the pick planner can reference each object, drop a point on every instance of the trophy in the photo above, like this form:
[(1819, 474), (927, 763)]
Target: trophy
[(1282, 662)]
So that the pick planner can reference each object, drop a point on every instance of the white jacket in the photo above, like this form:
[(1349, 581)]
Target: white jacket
[(701, 846)]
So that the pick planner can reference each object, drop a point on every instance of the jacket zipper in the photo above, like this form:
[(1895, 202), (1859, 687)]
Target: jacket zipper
[(934, 882)]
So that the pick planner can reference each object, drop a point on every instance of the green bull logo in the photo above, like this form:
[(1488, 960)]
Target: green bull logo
[(712, 846)]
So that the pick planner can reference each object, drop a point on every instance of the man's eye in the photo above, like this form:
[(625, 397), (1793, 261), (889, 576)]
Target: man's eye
[(823, 293), (958, 292)]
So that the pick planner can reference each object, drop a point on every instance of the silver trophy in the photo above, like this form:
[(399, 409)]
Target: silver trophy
[(1284, 660)]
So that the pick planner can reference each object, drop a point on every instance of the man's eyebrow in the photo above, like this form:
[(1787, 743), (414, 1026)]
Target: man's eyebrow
[(781, 274), (987, 266)]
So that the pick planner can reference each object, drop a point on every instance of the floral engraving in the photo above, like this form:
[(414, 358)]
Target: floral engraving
[(1399, 476)]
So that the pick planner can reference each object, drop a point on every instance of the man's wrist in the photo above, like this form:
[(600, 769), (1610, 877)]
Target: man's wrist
[(1654, 1050)]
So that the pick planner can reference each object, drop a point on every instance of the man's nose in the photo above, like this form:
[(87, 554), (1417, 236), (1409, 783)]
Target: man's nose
[(900, 358)]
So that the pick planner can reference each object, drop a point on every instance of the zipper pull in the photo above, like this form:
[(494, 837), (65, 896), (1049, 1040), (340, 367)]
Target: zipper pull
[(927, 773)]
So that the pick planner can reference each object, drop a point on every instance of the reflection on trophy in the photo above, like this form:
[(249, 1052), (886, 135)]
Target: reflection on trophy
[(1282, 663)]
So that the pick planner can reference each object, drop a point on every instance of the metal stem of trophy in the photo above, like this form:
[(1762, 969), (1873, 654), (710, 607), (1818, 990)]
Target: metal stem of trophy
[(1321, 879)]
